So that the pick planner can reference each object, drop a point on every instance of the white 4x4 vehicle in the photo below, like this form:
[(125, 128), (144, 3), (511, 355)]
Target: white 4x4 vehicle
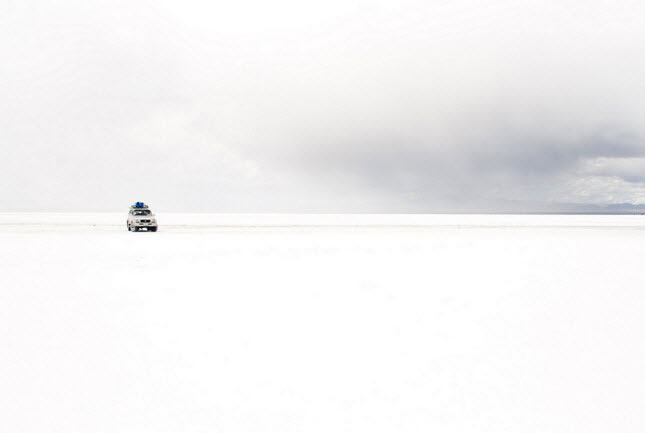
[(140, 217)]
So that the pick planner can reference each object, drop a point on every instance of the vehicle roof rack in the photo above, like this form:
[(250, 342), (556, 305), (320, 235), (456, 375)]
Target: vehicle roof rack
[(139, 205)]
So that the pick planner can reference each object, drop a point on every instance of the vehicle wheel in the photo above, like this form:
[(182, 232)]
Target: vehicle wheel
[(129, 228), (153, 229), (135, 229)]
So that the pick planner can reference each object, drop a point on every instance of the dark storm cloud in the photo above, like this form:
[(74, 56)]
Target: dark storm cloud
[(338, 106)]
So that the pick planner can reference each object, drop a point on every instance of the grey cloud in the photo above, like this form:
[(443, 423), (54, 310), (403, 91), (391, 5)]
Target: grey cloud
[(629, 169), (345, 106)]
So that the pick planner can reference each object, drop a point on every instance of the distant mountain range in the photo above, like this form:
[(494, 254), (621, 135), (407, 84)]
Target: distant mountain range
[(615, 208), (536, 207), (626, 207)]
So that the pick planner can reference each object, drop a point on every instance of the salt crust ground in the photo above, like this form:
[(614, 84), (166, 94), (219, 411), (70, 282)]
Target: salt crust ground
[(280, 323)]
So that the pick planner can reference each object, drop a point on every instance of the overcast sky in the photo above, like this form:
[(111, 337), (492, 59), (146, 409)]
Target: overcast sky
[(332, 106)]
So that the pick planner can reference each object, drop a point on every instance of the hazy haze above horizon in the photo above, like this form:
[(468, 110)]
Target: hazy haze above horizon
[(335, 106)]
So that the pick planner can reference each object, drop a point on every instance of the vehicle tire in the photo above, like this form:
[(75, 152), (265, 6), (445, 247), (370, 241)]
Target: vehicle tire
[(135, 229), (129, 228), (153, 229)]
